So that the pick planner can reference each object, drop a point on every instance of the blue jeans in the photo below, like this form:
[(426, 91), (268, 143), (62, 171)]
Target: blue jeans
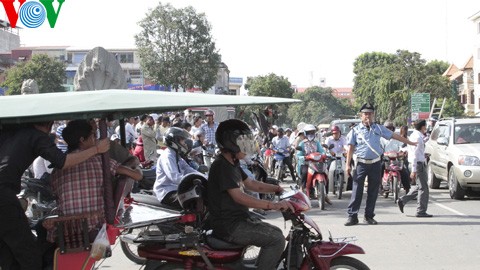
[(257, 233), (373, 171)]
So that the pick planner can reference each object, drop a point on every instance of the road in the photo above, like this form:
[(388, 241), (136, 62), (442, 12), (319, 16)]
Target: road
[(448, 241)]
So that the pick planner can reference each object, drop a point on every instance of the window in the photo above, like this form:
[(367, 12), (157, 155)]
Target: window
[(478, 79), (125, 57), (78, 58)]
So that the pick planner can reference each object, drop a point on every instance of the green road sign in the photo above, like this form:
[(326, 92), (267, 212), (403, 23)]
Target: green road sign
[(420, 105)]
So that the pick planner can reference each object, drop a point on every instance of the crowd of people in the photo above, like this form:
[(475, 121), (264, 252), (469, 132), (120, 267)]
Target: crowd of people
[(73, 153)]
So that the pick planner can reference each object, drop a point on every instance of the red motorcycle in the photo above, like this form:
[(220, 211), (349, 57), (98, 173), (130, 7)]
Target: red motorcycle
[(317, 177), (306, 249), (391, 181)]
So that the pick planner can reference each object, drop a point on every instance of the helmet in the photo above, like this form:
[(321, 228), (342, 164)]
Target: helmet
[(335, 129), (192, 192), (209, 113), (173, 136), (235, 136), (310, 131)]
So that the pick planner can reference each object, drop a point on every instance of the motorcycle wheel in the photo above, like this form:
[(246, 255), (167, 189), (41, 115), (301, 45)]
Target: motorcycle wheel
[(396, 189), (344, 262), (320, 190), (130, 250), (279, 175), (173, 266), (340, 186)]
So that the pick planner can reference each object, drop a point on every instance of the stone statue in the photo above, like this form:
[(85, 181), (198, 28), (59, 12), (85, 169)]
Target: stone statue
[(29, 86), (99, 70)]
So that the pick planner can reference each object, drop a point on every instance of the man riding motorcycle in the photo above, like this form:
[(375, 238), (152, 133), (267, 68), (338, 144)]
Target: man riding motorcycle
[(339, 143), (171, 167)]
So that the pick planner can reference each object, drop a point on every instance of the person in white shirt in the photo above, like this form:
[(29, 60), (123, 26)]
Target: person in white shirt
[(339, 143), (416, 159), (171, 167), (282, 142)]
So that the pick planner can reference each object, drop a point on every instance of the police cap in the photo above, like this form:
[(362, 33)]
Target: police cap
[(367, 107)]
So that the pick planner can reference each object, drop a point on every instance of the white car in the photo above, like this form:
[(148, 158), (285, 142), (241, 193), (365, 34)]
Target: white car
[(453, 152)]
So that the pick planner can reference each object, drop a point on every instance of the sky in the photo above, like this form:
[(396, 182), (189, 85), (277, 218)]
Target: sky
[(302, 40)]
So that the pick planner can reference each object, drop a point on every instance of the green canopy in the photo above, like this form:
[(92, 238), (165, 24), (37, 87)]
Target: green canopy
[(113, 103)]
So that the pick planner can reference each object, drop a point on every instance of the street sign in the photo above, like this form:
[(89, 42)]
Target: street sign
[(420, 106)]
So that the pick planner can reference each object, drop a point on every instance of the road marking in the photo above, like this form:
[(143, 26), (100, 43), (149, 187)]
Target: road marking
[(450, 209)]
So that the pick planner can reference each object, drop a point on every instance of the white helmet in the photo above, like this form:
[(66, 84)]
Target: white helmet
[(310, 131)]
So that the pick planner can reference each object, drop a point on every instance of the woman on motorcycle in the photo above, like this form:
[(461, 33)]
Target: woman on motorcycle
[(228, 203), (171, 167), (309, 145)]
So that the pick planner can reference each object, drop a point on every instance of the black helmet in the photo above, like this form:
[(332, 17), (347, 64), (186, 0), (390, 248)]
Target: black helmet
[(235, 136), (192, 192), (172, 139)]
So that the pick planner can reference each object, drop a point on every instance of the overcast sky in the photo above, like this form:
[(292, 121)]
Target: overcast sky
[(303, 40)]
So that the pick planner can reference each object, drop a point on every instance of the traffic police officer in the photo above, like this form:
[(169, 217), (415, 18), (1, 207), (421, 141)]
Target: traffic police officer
[(364, 140)]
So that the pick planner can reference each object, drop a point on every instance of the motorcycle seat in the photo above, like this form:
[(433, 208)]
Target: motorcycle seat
[(220, 244)]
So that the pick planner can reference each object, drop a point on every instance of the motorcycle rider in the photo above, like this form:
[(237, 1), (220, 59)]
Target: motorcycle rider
[(339, 143), (397, 146), (309, 145), (171, 167), (228, 203), (282, 142)]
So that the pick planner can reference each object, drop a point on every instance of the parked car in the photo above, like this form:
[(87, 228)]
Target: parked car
[(453, 153)]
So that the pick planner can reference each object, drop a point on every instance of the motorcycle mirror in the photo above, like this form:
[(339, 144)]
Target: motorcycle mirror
[(325, 146), (299, 148), (331, 146)]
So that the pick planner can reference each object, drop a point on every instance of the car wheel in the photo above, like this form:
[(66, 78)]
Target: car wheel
[(456, 191), (433, 181)]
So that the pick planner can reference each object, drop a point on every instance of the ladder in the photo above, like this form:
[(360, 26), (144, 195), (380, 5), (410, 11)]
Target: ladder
[(437, 111)]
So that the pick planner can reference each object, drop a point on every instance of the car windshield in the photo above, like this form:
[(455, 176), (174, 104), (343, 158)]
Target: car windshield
[(467, 133)]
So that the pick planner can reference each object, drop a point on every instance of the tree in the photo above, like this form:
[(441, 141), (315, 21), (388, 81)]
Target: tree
[(176, 48), (46, 71), (318, 106), (270, 85), (388, 80)]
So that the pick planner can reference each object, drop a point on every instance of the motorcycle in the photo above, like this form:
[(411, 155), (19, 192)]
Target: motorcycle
[(316, 177), (260, 173), (36, 198), (391, 180), (279, 170), (338, 181), (305, 249)]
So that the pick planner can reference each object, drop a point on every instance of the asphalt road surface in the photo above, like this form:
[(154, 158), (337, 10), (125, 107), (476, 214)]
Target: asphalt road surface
[(449, 240)]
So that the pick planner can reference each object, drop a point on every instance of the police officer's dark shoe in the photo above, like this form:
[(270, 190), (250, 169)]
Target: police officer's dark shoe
[(423, 215), (351, 221), (370, 221)]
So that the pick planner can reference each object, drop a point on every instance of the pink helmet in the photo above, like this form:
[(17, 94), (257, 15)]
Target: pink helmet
[(336, 129)]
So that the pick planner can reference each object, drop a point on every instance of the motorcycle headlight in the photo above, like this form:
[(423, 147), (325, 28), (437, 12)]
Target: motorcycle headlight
[(468, 161)]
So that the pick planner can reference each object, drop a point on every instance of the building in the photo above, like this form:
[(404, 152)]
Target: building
[(344, 93), (129, 61), (476, 62), (463, 81)]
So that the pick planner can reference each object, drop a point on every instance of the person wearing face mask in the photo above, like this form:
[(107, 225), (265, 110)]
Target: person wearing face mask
[(282, 142), (365, 140), (305, 147)]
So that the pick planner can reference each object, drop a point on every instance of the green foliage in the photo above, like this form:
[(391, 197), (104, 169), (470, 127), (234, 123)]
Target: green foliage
[(318, 106), (388, 80), (453, 108), (270, 85), (47, 72), (176, 48)]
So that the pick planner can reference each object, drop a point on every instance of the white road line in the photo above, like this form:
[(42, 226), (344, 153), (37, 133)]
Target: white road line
[(450, 209)]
